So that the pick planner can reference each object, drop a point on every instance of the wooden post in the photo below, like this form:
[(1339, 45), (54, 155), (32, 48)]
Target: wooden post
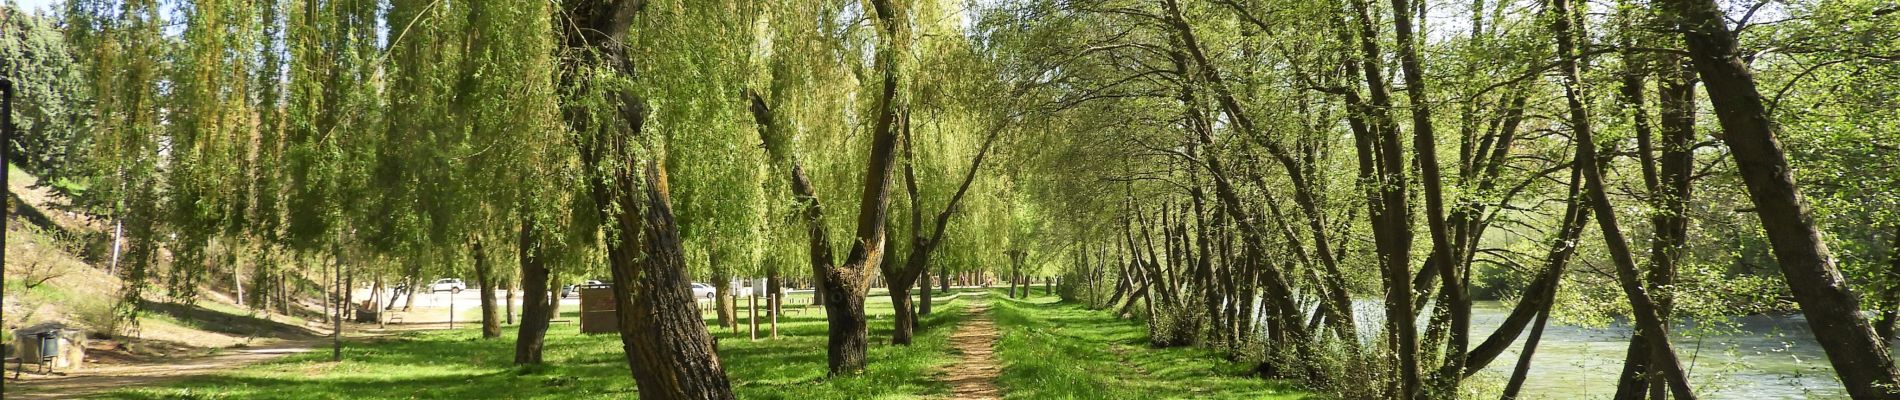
[(752, 315), (777, 299)]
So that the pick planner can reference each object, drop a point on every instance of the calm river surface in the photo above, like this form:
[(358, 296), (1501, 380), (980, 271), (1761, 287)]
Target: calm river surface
[(1758, 357)]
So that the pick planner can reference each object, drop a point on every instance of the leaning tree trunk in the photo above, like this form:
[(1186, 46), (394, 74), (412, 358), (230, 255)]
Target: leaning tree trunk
[(1647, 314), (1523, 368), (533, 330), (1857, 354), (1381, 162), (1541, 293), (667, 348), (666, 343)]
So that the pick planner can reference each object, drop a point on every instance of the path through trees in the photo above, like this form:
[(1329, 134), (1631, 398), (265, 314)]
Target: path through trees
[(973, 375)]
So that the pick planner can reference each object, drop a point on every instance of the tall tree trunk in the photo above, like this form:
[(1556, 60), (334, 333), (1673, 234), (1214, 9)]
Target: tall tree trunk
[(1425, 144), (1012, 285), (485, 278), (904, 321), (336, 297), (723, 297), (1636, 380), (1863, 362), (1648, 316), (1889, 317), (667, 348), (1382, 162), (845, 283), (531, 334), (923, 291), (283, 292), (237, 273)]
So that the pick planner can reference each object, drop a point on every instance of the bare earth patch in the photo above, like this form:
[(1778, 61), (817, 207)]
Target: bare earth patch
[(974, 376), (99, 378)]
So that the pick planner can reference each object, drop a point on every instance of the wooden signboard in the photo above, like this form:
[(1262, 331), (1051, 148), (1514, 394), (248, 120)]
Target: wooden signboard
[(597, 310)]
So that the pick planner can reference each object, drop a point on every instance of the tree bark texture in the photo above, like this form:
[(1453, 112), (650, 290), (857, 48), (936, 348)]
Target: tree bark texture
[(1833, 313), (531, 334), (1647, 315), (666, 343)]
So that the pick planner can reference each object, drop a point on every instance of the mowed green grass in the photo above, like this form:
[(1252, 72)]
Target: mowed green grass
[(459, 364), (1054, 350)]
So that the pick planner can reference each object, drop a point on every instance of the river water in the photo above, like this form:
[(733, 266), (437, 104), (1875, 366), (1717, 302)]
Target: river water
[(1751, 357)]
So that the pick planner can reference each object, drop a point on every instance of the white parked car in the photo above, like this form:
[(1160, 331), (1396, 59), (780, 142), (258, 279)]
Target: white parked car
[(703, 291), (450, 285)]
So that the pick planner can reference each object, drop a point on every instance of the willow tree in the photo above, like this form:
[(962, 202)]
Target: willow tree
[(608, 98), (505, 96), (719, 187), (955, 118), (511, 109), (326, 122), (844, 282), (125, 52), (210, 134)]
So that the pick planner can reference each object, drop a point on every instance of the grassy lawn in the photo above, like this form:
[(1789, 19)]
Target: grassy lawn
[(1053, 350), (458, 364)]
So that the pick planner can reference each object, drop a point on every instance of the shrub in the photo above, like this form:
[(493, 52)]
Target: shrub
[(103, 318), (1175, 326)]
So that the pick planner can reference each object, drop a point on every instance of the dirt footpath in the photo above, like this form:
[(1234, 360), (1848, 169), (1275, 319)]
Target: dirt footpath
[(98, 379), (974, 376)]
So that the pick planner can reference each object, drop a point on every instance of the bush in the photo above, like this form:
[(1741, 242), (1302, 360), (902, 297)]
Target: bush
[(1327, 365), (103, 318), (1175, 327)]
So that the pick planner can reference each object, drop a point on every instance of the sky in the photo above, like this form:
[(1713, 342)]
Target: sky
[(37, 5)]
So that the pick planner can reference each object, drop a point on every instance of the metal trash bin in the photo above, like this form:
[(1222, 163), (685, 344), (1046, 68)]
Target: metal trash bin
[(50, 345)]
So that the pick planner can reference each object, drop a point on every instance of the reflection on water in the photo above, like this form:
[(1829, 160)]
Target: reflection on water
[(1753, 357)]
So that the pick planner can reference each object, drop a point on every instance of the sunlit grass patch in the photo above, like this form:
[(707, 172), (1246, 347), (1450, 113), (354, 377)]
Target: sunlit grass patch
[(459, 364), (1053, 350)]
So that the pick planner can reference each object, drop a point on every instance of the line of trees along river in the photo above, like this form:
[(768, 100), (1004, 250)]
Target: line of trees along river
[(1334, 191)]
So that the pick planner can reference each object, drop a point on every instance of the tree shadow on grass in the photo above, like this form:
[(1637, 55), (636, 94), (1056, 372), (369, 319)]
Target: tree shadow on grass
[(230, 324), (459, 364), (20, 210)]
